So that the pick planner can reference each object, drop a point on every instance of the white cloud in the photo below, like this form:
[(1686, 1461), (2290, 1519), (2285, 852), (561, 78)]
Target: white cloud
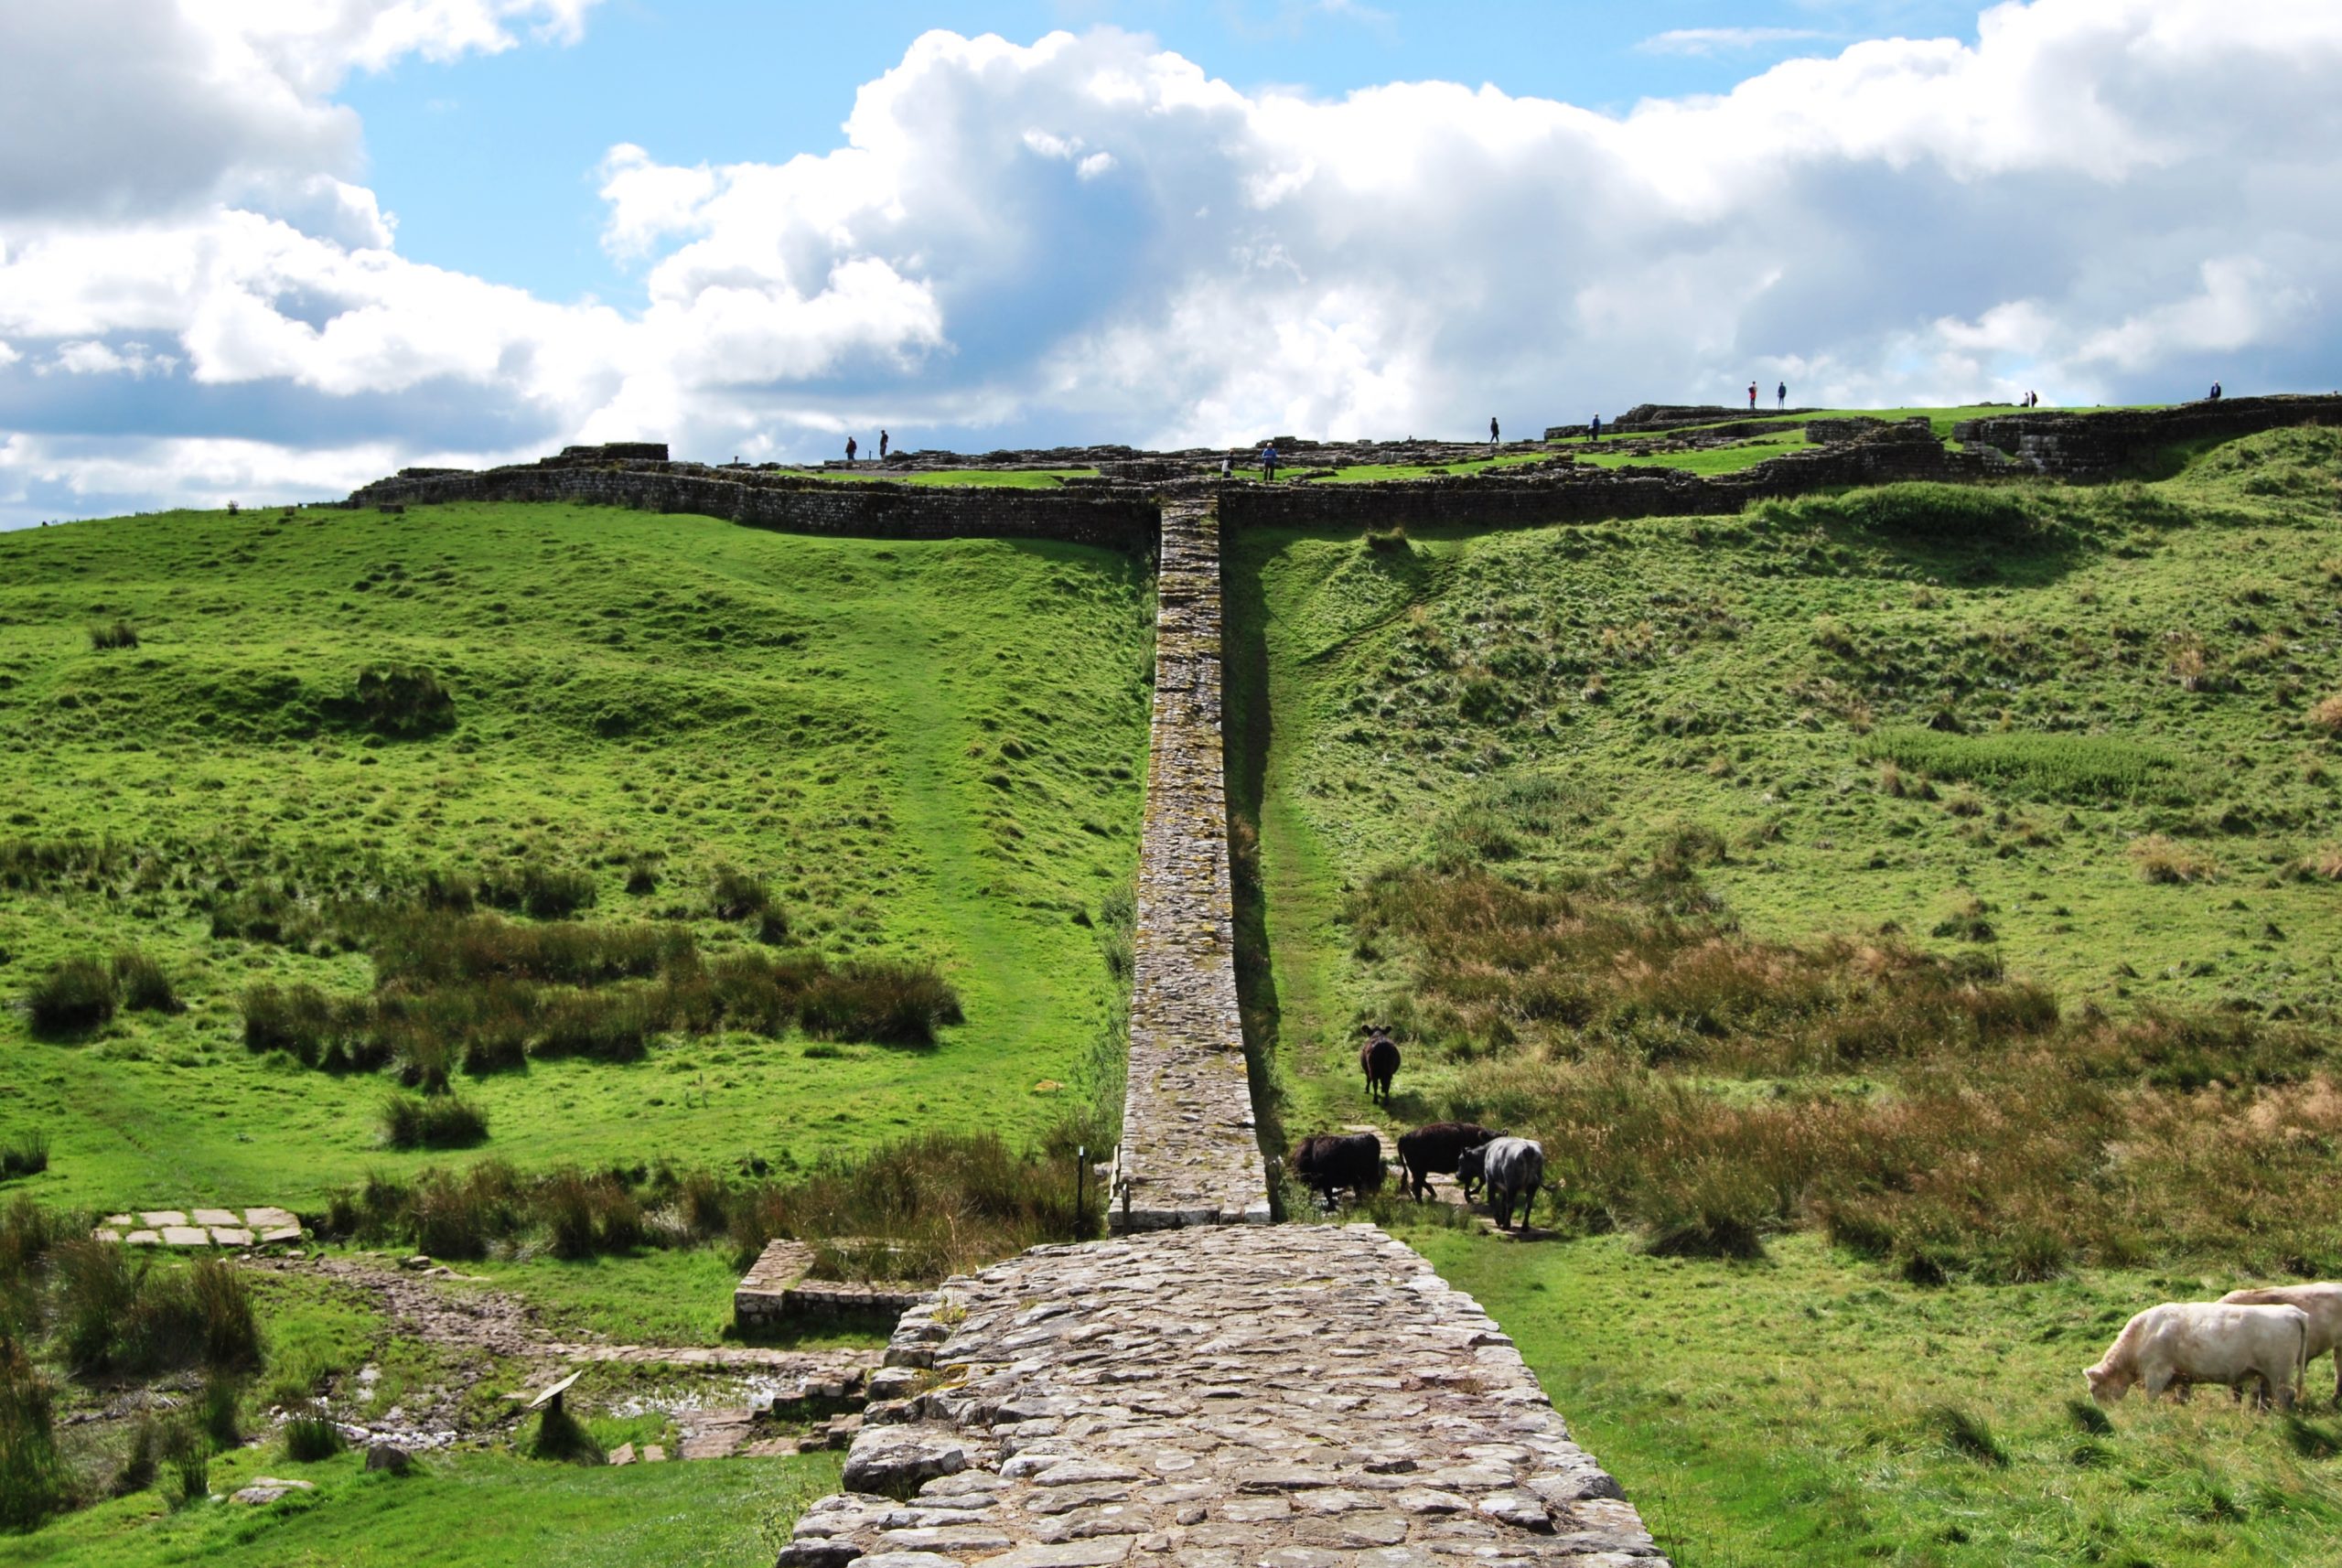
[(1721, 41), (1087, 238), (91, 358)]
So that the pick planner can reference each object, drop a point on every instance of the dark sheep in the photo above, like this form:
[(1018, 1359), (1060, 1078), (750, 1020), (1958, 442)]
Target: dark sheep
[(1328, 1162), (1379, 1059), (1439, 1149)]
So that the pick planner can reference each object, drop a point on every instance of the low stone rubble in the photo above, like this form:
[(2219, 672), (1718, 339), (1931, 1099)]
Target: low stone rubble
[(1298, 1396)]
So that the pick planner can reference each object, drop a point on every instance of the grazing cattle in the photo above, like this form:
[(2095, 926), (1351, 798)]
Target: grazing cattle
[(2322, 1303), (2204, 1342), (1379, 1059), (1515, 1169), (1439, 1149), (1331, 1161)]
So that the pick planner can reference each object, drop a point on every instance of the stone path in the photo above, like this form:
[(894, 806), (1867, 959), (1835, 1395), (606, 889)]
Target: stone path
[(201, 1227), (1189, 1153), (1303, 1396)]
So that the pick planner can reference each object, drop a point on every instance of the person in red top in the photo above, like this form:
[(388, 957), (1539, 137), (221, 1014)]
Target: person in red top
[(1752, 397)]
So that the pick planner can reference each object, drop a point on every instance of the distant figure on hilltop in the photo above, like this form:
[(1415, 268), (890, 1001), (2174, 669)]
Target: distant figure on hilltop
[(1752, 397), (1228, 465), (883, 439), (1269, 460), (849, 451), (1594, 428), (1492, 430), (1781, 397), (2216, 391)]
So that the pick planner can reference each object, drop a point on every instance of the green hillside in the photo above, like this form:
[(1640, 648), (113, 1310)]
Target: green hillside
[(924, 752), (1909, 920)]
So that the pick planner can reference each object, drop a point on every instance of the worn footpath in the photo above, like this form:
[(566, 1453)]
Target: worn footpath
[(1301, 1396)]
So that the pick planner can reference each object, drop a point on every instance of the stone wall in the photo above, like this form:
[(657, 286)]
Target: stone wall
[(793, 503), (1581, 493), (2098, 445), (1303, 1395), (1188, 1155)]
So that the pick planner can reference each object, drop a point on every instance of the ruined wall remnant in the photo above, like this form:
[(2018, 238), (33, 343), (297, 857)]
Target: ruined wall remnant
[(794, 503), (2098, 445)]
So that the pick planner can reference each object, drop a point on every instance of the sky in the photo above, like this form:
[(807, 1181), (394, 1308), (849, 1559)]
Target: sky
[(268, 250)]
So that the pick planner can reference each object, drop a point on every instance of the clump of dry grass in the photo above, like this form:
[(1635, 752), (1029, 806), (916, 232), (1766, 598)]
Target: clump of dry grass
[(1933, 1114), (2326, 714), (2160, 858)]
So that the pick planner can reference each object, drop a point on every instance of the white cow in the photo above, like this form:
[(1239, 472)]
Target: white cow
[(2322, 1303), (2189, 1342)]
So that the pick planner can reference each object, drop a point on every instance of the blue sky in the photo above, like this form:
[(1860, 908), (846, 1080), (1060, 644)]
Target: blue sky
[(488, 162), (265, 252)]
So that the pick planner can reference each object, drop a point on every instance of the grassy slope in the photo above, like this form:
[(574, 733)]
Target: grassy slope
[(474, 1509), (1724, 704), (1793, 1413), (928, 749)]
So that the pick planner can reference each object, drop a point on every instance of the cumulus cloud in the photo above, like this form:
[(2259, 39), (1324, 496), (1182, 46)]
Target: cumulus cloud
[(1089, 238)]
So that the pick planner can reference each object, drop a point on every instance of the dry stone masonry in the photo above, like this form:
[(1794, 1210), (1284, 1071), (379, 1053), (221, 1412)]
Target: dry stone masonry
[(1189, 1153), (1301, 1396)]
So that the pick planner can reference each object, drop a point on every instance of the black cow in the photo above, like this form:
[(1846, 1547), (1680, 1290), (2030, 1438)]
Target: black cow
[(1379, 1059), (1439, 1149), (1331, 1161)]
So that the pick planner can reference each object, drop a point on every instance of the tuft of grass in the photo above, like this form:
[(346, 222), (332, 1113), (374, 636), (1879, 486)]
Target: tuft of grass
[(76, 995), (35, 1481), (143, 985), (2326, 714), (107, 636), (311, 1434), (2160, 858), (1966, 1433), (2082, 768), (24, 1153), (432, 1121)]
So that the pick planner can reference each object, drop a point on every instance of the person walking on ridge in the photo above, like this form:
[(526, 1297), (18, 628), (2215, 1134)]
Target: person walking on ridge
[(883, 439), (1492, 430), (1752, 397), (1781, 397), (849, 451)]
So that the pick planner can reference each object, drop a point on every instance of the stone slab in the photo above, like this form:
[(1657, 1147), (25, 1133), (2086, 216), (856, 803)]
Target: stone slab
[(186, 1236)]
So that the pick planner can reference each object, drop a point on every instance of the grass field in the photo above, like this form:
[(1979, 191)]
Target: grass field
[(1808, 1410), (923, 750), (1910, 918), (471, 1509)]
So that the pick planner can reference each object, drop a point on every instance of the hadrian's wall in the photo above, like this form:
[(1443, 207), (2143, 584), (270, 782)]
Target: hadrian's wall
[(873, 509), (2095, 445), (1189, 1153)]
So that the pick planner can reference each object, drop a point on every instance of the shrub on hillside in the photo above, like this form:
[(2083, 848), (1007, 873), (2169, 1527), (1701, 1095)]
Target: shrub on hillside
[(34, 1480), (609, 1025), (310, 1435), (538, 890), (2161, 859), (2326, 714), (395, 703), (585, 1214), (736, 894), (77, 993), (889, 1003), (24, 1153), (432, 1121), (145, 987), (105, 636), (151, 1317)]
